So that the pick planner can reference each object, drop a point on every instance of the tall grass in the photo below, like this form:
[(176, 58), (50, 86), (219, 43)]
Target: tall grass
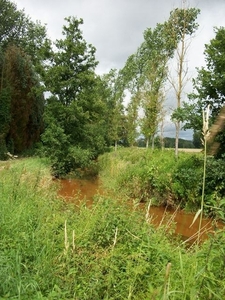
[(26, 223), (205, 133), (50, 250), (145, 174)]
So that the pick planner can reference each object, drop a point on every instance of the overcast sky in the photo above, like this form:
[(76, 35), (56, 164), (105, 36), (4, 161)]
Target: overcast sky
[(115, 27)]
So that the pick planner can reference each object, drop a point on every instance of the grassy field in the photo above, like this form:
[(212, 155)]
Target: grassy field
[(190, 150)]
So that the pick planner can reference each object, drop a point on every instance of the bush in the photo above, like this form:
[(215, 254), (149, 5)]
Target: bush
[(187, 181), (215, 174), (143, 174), (187, 185), (63, 156)]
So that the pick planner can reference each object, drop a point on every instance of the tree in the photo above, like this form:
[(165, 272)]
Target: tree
[(23, 49), (18, 29), (23, 106), (76, 108), (132, 120), (72, 71), (197, 135), (182, 24), (131, 78), (152, 110), (12, 22), (115, 109), (35, 43), (148, 76), (209, 87)]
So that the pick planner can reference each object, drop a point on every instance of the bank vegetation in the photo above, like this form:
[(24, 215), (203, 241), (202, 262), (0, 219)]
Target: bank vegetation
[(53, 250)]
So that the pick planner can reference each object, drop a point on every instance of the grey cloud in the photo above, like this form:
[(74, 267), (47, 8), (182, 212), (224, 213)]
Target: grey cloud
[(115, 27)]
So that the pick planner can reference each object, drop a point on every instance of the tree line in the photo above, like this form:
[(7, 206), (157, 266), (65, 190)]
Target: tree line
[(52, 98)]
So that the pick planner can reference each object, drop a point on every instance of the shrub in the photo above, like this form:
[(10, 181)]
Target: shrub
[(140, 173), (187, 181), (215, 174), (63, 156), (143, 174)]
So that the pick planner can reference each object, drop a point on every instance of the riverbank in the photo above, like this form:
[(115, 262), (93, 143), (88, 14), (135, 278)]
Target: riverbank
[(79, 191), (145, 175), (51, 251)]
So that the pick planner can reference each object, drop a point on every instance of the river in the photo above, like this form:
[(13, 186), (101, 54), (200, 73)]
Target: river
[(76, 190)]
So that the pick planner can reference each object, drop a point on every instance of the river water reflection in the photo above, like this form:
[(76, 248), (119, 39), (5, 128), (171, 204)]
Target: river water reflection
[(77, 190)]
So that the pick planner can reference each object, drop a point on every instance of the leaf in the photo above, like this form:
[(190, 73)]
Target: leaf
[(196, 217)]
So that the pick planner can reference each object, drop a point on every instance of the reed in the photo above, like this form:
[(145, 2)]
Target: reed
[(166, 283), (205, 133)]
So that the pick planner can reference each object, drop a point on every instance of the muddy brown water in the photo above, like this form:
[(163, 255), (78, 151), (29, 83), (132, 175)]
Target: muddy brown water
[(78, 190)]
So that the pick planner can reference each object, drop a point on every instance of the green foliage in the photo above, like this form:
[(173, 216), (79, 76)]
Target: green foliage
[(24, 49), (209, 86), (36, 44), (144, 175), (72, 127), (132, 120), (49, 250), (197, 136), (11, 21), (140, 173), (182, 22), (4, 120), (73, 161), (27, 216), (170, 142), (215, 188), (18, 29), (72, 71), (64, 157), (56, 148), (144, 74), (146, 71), (215, 173), (186, 187), (75, 113), (23, 104), (115, 119), (212, 254), (181, 27)]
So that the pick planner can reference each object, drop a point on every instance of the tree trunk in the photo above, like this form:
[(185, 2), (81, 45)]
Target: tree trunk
[(115, 146), (153, 142), (147, 142), (177, 124)]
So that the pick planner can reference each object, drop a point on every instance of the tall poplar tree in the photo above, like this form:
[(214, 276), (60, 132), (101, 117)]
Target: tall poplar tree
[(156, 58), (181, 26), (147, 73), (131, 74), (115, 108)]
